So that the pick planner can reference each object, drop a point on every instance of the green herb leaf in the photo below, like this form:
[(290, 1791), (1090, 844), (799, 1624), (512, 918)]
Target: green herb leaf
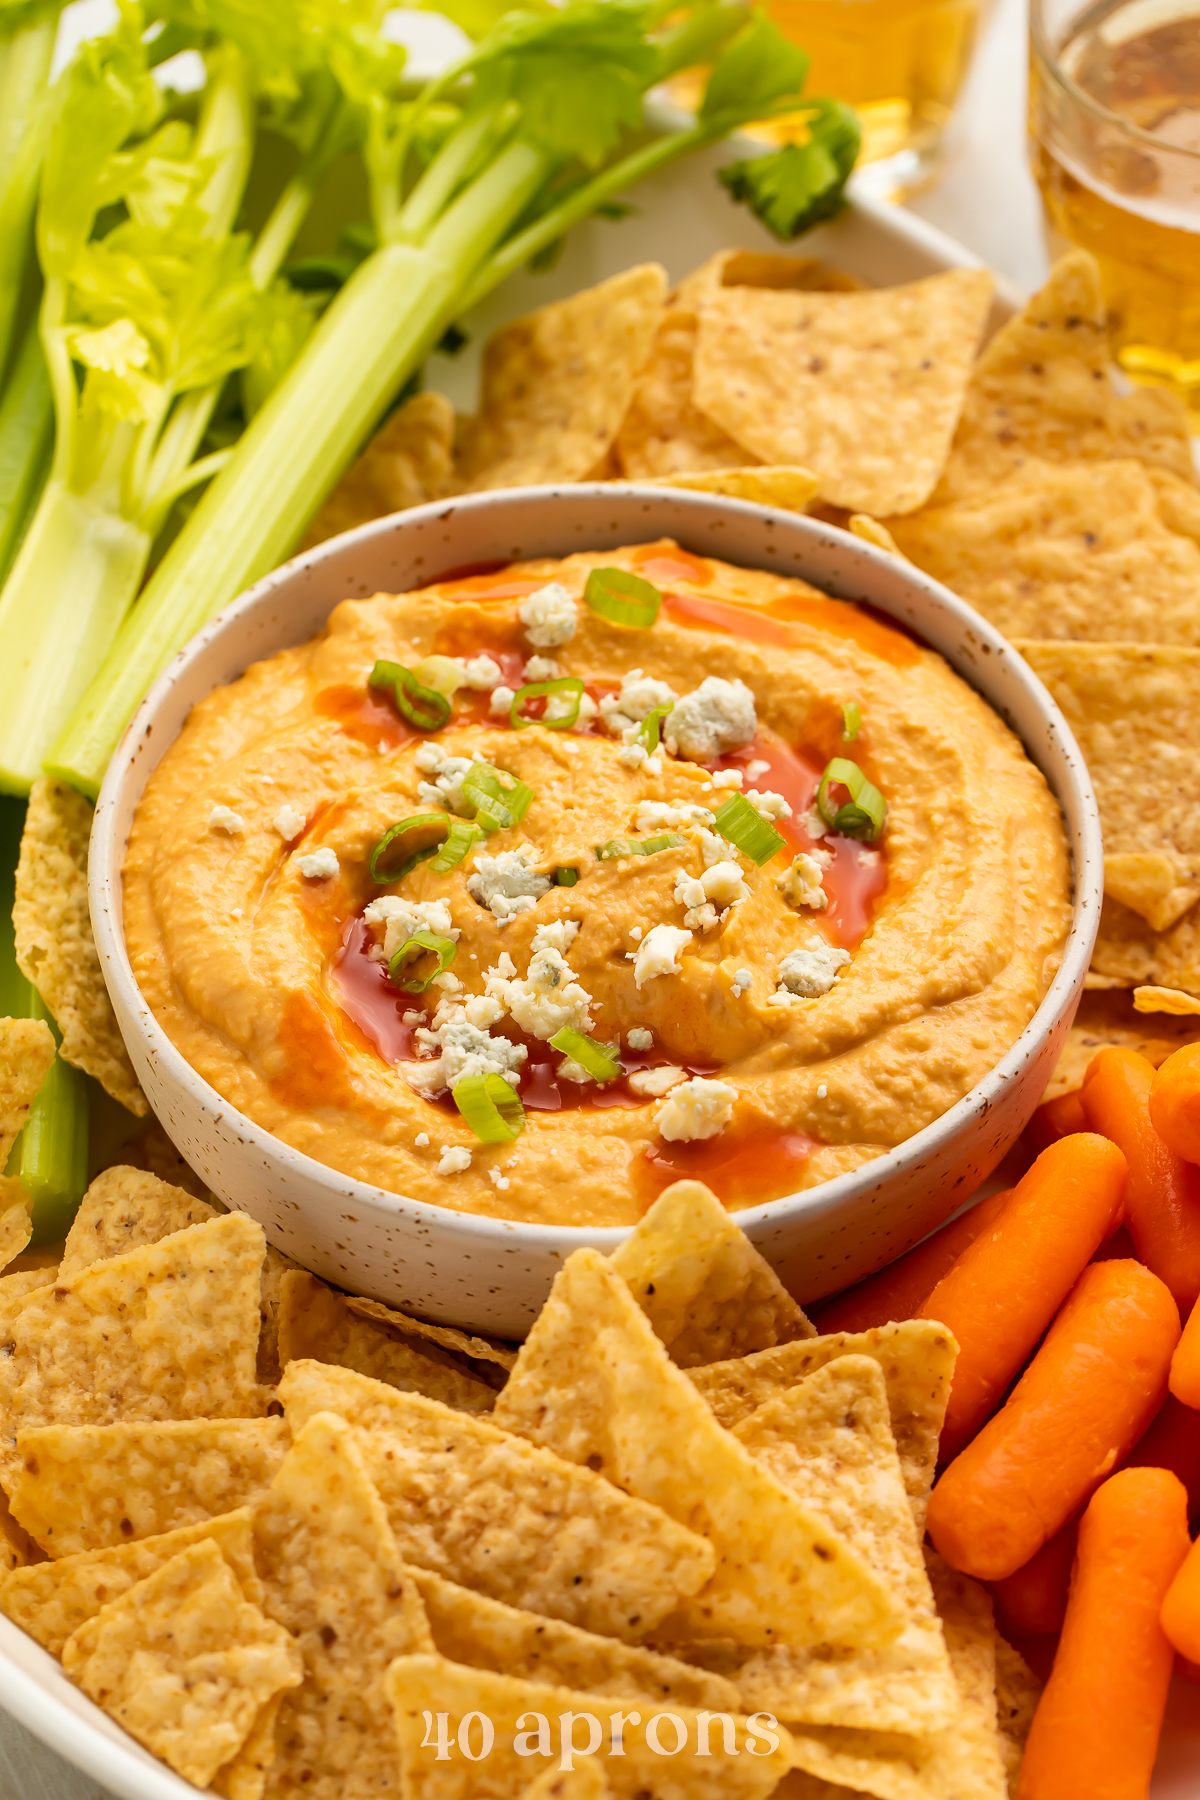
[(795, 188), (420, 941), (851, 720), (622, 598), (423, 822), (459, 839), (747, 830), (498, 806), (490, 1107), (599, 1061), (864, 814), (648, 730), (562, 684), (618, 847), (422, 706), (757, 66)]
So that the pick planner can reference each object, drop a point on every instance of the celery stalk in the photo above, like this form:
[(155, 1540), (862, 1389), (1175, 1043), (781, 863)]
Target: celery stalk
[(24, 118), (376, 332), (26, 436), (49, 1158)]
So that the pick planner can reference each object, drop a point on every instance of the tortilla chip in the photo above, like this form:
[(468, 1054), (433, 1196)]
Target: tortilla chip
[(1112, 1017), (788, 489), (16, 1219), (1135, 709), (83, 1487), (51, 1600), (184, 1662), (1166, 1000), (245, 1776), (419, 1685), (315, 1322), (474, 1349), (917, 1358), (705, 1289), (125, 1207), (962, 1762), (485, 1634), (1130, 953), (17, 1548), (1018, 1691), (594, 1384), (586, 1781), (55, 947), (335, 1582), (1067, 550), (1152, 424), (830, 1439), (409, 460), (153, 1151), (864, 389), (492, 1512), (167, 1331), (862, 525), (664, 432), (275, 1267), (557, 384), (26, 1052), (1178, 500)]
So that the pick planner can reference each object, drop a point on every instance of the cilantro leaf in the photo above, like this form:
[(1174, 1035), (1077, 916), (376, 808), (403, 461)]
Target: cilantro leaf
[(756, 69), (795, 188)]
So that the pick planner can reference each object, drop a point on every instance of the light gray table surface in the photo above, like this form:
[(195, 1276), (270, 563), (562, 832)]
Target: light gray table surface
[(987, 200)]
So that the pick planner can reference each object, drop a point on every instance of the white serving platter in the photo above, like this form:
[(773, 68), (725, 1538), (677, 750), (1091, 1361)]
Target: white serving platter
[(682, 217)]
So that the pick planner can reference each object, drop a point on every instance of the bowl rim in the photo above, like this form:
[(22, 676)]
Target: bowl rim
[(106, 858)]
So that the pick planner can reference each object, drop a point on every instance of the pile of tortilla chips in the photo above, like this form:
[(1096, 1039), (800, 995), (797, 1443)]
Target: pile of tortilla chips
[(1065, 510), (672, 1547)]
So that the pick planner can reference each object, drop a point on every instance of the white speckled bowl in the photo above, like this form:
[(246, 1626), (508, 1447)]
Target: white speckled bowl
[(491, 1274)]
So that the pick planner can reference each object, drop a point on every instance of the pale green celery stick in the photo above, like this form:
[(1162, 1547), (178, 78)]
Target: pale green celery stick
[(49, 1158), (24, 121), (26, 437), (378, 329)]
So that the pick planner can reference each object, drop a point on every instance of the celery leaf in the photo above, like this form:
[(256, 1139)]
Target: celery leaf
[(795, 188), (757, 68)]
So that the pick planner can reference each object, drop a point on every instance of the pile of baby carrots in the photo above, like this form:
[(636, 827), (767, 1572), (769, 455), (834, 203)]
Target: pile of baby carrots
[(1071, 1448)]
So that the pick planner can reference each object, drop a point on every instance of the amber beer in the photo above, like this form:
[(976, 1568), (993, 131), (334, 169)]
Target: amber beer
[(1115, 144), (899, 63)]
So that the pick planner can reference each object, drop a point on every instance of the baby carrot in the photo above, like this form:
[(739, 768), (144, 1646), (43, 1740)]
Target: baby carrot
[(1185, 1364), (1172, 1441), (1181, 1608), (1032, 1601), (1162, 1195), (1006, 1287), (1095, 1733), (1175, 1102), (897, 1291), (1081, 1405), (1052, 1120)]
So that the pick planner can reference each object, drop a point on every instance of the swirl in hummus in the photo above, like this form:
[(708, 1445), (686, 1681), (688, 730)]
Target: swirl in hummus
[(766, 1025)]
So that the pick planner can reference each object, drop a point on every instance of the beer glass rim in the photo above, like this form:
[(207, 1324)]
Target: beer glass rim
[(1047, 55)]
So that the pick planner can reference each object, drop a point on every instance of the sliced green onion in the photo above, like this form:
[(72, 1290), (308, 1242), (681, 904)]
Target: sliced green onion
[(490, 1107), (461, 835), (383, 876), (622, 598), (851, 720), (863, 814), (648, 730), (747, 830), (441, 674), (566, 877), (422, 706), (650, 846), (599, 1062), (497, 808), (562, 684), (420, 941)]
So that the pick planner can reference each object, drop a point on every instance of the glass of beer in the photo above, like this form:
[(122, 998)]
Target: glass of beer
[(1115, 142), (899, 63)]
